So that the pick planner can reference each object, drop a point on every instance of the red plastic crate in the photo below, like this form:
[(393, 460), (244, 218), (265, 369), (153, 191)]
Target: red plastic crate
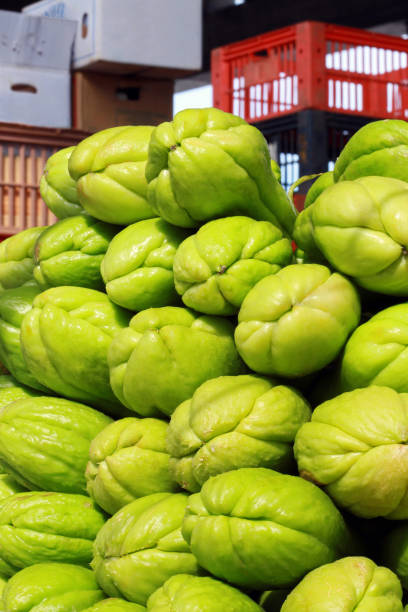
[(312, 65)]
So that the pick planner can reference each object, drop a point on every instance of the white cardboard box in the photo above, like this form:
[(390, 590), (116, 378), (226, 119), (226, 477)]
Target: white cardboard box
[(35, 96), (39, 42), (153, 37)]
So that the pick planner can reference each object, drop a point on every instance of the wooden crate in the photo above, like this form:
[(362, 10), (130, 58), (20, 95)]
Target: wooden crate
[(24, 150)]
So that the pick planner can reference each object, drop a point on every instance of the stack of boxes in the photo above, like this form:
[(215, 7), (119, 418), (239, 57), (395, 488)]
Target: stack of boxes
[(125, 57)]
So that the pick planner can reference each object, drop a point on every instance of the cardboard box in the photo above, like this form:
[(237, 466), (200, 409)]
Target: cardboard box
[(35, 96), (155, 38), (35, 83), (100, 101), (39, 42)]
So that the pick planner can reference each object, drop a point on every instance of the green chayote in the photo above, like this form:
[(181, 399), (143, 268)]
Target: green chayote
[(379, 148), (65, 339), (36, 527), (9, 486), (296, 321), (51, 587), (352, 583), (14, 305), (215, 268), (165, 354), (187, 593), (115, 604), (109, 170), (58, 188), (360, 227), (17, 258), (141, 546), (377, 352), (256, 528), (128, 459), (70, 252), (394, 552), (207, 164), (138, 265), (319, 185), (11, 390), (44, 442), (355, 447), (232, 422)]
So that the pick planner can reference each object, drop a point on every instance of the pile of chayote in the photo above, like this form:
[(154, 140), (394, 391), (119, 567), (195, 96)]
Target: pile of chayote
[(203, 392)]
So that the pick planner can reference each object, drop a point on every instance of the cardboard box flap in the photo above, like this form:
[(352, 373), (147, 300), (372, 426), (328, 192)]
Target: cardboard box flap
[(39, 42)]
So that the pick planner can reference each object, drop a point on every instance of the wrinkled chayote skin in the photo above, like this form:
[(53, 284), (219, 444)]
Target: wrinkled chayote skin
[(352, 583), (17, 258), (48, 587), (115, 604), (14, 305), (138, 265), (70, 252), (215, 268), (165, 354), (360, 227), (186, 593), (128, 459), (58, 188), (65, 339), (379, 148), (141, 546), (109, 169), (44, 442), (377, 352), (207, 164), (36, 527), (257, 528), (232, 422), (355, 447), (11, 390), (296, 321)]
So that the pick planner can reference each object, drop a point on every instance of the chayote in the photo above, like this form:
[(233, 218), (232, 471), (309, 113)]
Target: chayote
[(138, 265), (377, 352), (360, 227), (36, 527), (9, 486), (11, 390), (232, 422), (257, 528), (115, 604), (109, 170), (296, 321), (319, 185), (207, 164), (141, 546), (58, 189), (185, 593), (51, 587), (14, 305), (379, 148), (128, 459), (65, 339), (352, 583), (17, 258), (215, 268), (276, 170), (355, 447), (70, 252), (165, 354), (44, 442)]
